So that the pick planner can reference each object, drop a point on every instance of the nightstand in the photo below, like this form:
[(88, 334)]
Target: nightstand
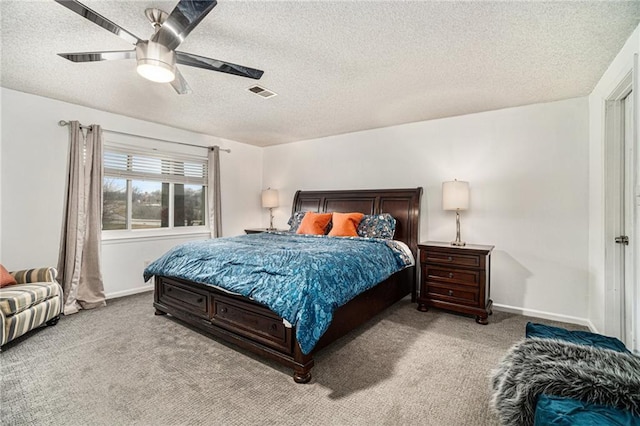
[(456, 278), (259, 230)]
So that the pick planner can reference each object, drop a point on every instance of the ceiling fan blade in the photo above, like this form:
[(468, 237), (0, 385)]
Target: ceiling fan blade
[(98, 19), (180, 84), (99, 56), (181, 21), (216, 65)]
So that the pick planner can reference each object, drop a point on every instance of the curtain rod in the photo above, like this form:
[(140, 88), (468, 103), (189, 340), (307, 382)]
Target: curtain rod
[(63, 123)]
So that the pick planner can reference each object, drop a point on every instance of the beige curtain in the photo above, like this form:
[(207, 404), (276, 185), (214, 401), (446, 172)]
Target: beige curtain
[(79, 269), (215, 208)]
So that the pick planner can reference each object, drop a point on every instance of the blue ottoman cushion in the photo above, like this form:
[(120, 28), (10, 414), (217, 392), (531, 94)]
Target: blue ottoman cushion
[(559, 411), (542, 331)]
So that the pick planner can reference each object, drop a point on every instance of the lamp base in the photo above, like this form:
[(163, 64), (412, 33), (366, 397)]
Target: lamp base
[(457, 242), (271, 228)]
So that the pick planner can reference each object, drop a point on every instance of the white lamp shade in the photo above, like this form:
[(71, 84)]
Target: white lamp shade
[(455, 195), (270, 198)]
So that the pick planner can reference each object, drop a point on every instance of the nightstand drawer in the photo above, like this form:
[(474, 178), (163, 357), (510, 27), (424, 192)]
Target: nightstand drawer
[(457, 294), (451, 275), (432, 256)]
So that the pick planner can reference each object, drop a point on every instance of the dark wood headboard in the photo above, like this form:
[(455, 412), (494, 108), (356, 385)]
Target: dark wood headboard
[(402, 204)]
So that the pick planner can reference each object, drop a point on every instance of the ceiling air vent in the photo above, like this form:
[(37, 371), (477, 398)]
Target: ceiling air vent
[(262, 92)]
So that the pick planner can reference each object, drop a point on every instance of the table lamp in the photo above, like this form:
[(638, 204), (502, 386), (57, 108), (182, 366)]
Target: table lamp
[(269, 201), (455, 196)]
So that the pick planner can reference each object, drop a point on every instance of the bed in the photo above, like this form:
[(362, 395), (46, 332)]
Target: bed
[(251, 325)]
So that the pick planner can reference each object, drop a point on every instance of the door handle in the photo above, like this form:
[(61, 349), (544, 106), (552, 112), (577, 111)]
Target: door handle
[(623, 239)]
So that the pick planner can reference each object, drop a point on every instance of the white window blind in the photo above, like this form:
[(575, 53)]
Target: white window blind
[(147, 164)]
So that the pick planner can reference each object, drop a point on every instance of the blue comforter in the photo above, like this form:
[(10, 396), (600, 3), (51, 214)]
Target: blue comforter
[(303, 279)]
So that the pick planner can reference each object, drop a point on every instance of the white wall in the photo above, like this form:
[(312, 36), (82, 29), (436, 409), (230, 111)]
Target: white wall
[(528, 174), (0, 179), (621, 65), (33, 166)]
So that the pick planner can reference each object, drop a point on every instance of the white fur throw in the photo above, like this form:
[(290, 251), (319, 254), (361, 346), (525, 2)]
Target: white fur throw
[(556, 367)]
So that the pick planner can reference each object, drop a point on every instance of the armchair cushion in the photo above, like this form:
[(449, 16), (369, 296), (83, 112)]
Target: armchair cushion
[(17, 298)]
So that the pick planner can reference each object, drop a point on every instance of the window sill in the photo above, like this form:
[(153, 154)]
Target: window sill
[(115, 237)]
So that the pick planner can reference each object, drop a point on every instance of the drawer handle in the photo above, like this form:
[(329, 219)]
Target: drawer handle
[(274, 327), (199, 300), (223, 310), (450, 292), (169, 289), (450, 259), (450, 274)]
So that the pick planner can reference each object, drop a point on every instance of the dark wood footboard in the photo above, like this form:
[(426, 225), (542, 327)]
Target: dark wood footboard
[(235, 319), (254, 327)]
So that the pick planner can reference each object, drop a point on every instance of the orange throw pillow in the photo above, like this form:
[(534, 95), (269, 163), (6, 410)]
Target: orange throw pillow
[(345, 224), (314, 223), (6, 278)]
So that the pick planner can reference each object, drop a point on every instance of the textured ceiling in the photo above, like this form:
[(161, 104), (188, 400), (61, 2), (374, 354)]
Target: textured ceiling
[(337, 67)]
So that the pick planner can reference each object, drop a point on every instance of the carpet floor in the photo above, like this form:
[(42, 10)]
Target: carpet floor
[(122, 365)]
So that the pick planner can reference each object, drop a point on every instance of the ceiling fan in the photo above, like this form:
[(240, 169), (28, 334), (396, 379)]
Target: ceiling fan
[(157, 56)]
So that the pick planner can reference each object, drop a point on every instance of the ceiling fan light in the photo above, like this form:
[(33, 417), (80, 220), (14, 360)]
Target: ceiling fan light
[(155, 62), (160, 72)]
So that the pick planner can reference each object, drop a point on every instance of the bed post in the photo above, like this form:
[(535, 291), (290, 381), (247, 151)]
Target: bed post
[(302, 365)]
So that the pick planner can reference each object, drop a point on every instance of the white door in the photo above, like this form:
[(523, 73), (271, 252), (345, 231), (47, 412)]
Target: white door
[(627, 241), (622, 228), (621, 210)]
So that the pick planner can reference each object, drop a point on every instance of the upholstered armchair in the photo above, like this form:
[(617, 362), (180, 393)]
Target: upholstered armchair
[(35, 299)]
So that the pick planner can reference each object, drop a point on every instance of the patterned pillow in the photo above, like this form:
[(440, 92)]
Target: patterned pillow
[(294, 221), (377, 226)]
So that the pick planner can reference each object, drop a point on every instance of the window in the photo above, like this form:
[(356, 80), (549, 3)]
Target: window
[(146, 189)]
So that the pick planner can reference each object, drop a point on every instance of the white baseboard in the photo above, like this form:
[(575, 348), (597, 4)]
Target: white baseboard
[(129, 292), (546, 315), (498, 307), (592, 328)]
